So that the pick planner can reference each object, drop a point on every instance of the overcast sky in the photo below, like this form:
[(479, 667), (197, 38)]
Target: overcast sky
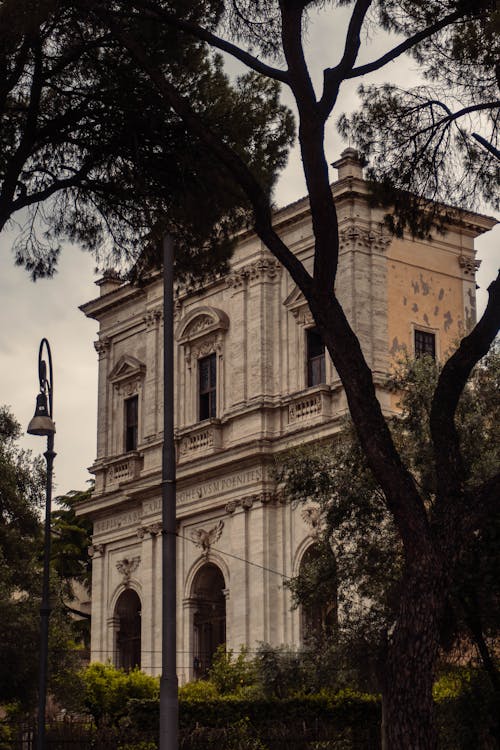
[(49, 308)]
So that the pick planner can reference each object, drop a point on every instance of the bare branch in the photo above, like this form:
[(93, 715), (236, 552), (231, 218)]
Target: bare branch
[(334, 76), (452, 380), (405, 46)]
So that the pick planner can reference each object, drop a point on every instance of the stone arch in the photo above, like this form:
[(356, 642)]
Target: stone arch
[(208, 597), (127, 623), (319, 592)]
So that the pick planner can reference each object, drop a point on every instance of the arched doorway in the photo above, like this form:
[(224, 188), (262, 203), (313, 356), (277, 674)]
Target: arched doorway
[(128, 635), (209, 618), (316, 590)]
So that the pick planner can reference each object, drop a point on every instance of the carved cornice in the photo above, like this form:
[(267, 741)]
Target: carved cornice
[(264, 269), (153, 530), (356, 236), (153, 318), (468, 265), (247, 502)]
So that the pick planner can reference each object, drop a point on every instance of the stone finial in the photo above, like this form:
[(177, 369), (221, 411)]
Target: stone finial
[(349, 164)]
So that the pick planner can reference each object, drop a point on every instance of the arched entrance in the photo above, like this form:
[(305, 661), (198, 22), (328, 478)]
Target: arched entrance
[(316, 589), (209, 617), (128, 634)]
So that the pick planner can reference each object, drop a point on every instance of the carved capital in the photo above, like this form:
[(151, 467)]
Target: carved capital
[(102, 346), (95, 550), (153, 317), (468, 265)]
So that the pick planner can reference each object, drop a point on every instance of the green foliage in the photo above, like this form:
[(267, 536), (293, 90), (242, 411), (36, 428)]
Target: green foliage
[(198, 690), (231, 674), (107, 691), (358, 528)]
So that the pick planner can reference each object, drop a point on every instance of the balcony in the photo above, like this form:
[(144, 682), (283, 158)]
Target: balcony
[(202, 439), (124, 469), (309, 407)]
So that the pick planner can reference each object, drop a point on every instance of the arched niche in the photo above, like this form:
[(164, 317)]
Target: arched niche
[(317, 587), (209, 616), (128, 630)]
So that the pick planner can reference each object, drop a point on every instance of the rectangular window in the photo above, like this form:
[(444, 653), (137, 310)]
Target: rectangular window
[(315, 357), (131, 423), (207, 371), (425, 343)]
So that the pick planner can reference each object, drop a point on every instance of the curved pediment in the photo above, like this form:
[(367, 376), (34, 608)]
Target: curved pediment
[(200, 322)]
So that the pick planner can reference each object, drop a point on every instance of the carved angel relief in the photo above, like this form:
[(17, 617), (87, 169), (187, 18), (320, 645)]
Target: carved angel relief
[(205, 539), (312, 517), (126, 567)]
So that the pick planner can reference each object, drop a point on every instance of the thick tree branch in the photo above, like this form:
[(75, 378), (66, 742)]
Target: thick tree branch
[(405, 46), (452, 380), (333, 77), (158, 14)]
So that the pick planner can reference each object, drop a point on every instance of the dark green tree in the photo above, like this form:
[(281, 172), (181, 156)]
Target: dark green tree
[(90, 153), (22, 489), (267, 37), (368, 552)]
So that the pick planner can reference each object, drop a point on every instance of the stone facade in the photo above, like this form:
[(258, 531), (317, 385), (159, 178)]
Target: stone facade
[(237, 537)]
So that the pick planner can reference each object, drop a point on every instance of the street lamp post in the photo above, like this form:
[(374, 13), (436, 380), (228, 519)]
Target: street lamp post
[(42, 424), (168, 682)]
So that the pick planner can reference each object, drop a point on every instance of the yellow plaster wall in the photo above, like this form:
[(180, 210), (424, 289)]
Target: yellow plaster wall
[(425, 291)]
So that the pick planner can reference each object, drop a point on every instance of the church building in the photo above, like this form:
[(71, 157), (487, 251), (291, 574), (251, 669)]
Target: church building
[(252, 380)]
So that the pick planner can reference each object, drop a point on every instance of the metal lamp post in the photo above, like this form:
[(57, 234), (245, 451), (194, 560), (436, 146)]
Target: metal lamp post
[(168, 681), (42, 424)]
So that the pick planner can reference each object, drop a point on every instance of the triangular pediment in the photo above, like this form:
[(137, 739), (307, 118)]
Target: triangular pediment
[(295, 299), (126, 368)]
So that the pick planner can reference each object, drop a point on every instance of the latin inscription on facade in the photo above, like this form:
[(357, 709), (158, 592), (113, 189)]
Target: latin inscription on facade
[(117, 522), (218, 486)]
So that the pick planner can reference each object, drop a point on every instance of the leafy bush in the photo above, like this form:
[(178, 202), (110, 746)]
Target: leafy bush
[(199, 690), (107, 690), (230, 674)]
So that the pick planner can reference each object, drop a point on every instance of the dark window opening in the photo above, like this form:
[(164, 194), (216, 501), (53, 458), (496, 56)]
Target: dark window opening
[(425, 343), (316, 589), (209, 622), (131, 423), (128, 636), (207, 370), (315, 357)]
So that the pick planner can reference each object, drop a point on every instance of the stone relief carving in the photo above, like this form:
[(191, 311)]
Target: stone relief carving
[(356, 235), (247, 502), (264, 268), (102, 346), (95, 549), (153, 317), (126, 567), (468, 265), (152, 529), (205, 539), (312, 517)]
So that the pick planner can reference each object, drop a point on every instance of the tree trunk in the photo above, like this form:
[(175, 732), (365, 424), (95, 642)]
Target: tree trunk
[(408, 707)]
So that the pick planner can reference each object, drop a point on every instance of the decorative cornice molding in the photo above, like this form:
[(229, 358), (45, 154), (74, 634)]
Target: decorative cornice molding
[(357, 236), (153, 317), (468, 265)]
